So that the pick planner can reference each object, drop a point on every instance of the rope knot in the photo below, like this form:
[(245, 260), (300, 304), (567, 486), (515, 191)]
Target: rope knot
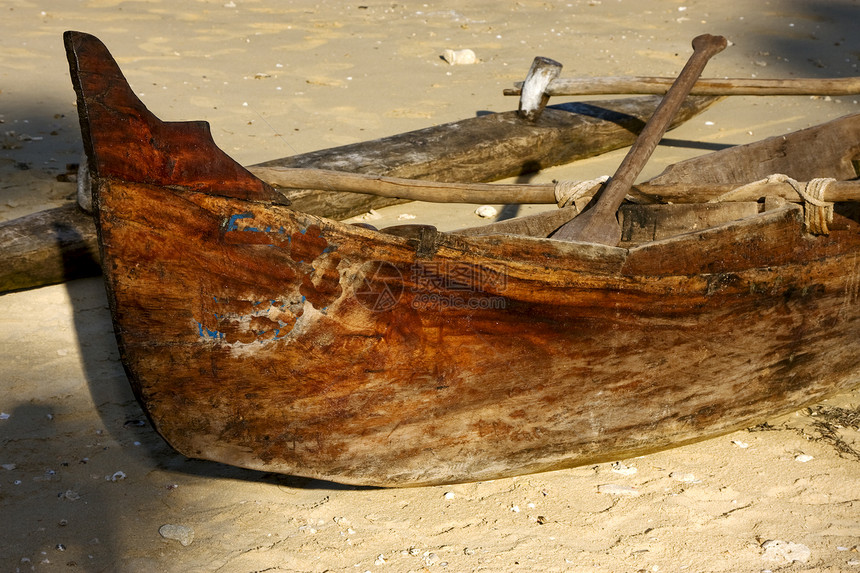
[(567, 193), (817, 213)]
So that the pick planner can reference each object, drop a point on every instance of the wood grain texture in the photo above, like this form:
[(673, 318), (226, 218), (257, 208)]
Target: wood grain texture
[(831, 149), (267, 338), (274, 340)]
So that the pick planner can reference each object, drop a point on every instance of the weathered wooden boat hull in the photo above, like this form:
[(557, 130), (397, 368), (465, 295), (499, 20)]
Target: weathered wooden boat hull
[(271, 339), (483, 148), (321, 350)]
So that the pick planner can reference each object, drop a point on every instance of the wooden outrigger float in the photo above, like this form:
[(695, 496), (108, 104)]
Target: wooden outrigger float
[(264, 337)]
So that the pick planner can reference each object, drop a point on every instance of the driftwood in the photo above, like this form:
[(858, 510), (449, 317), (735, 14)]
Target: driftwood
[(48, 247), (267, 338), (484, 148), (705, 86)]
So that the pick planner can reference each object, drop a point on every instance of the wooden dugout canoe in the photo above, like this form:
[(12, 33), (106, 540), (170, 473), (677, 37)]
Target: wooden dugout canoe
[(267, 338), (59, 244)]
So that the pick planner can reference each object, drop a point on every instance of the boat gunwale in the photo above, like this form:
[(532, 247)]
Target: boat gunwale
[(488, 246)]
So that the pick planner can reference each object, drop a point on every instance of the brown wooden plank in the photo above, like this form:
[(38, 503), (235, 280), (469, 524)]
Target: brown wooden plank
[(827, 150), (737, 246), (836, 146), (647, 223)]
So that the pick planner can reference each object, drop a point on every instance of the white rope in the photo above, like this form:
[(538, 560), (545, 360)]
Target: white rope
[(568, 192), (817, 213)]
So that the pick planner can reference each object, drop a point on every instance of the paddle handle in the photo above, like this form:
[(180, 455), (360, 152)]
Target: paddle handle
[(599, 224)]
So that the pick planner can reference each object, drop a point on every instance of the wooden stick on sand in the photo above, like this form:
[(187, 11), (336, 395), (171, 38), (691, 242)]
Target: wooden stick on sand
[(712, 86)]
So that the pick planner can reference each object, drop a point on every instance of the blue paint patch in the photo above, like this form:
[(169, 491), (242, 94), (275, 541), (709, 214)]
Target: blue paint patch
[(240, 321), (231, 222), (206, 333), (231, 225)]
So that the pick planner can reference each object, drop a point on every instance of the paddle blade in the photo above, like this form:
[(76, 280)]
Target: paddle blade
[(588, 228)]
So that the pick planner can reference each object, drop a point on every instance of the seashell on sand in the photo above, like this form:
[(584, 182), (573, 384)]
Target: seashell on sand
[(459, 57)]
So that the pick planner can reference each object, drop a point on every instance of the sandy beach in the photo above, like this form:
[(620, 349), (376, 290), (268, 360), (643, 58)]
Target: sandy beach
[(87, 485)]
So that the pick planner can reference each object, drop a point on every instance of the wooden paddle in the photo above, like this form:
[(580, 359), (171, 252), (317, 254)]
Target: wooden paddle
[(599, 223)]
